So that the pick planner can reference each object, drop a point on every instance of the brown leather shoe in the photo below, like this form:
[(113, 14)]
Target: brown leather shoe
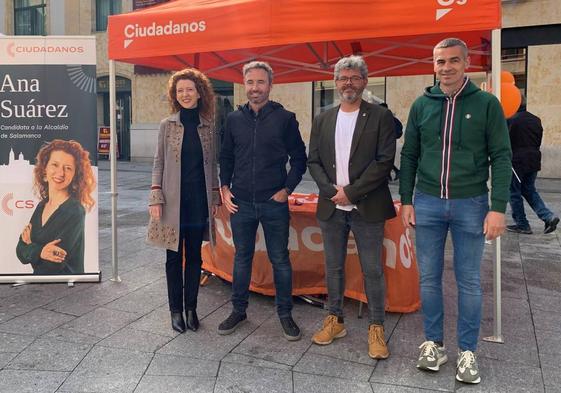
[(377, 348), (331, 330)]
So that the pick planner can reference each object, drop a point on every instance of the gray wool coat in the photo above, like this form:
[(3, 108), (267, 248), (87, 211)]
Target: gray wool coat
[(166, 181)]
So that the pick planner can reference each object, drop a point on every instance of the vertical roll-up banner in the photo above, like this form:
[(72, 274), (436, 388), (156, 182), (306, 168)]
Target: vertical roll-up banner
[(48, 159)]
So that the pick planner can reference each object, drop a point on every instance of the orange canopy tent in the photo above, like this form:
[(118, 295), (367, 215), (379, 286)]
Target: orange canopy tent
[(302, 40)]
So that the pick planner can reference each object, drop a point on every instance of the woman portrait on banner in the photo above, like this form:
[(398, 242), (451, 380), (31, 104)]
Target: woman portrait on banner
[(184, 191), (53, 241)]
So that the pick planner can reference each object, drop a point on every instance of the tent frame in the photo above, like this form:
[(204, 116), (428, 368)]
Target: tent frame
[(324, 64)]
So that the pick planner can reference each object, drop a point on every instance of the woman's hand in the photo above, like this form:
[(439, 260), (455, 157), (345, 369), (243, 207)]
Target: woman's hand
[(155, 211), (52, 253), (26, 234)]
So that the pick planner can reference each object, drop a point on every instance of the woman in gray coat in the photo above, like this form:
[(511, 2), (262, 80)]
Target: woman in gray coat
[(184, 193)]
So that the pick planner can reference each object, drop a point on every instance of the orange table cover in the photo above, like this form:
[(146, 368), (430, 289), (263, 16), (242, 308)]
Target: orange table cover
[(306, 254)]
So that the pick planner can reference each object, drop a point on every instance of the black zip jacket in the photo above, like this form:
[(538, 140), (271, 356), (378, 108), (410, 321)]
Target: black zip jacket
[(525, 138), (255, 150)]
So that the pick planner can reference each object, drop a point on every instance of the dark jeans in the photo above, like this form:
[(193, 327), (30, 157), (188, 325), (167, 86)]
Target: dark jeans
[(368, 237), (185, 287), (274, 217), (527, 189)]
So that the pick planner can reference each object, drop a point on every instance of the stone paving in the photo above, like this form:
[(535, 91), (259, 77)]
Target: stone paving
[(116, 337)]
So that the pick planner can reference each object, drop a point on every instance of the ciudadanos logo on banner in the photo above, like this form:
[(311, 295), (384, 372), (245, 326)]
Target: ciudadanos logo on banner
[(48, 159)]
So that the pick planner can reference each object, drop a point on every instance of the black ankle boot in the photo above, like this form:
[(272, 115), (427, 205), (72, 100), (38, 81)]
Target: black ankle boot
[(177, 322), (192, 320)]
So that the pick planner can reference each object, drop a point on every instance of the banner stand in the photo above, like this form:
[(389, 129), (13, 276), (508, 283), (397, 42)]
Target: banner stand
[(48, 160), (28, 279)]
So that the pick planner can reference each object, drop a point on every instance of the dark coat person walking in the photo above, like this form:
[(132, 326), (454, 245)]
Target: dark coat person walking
[(526, 133)]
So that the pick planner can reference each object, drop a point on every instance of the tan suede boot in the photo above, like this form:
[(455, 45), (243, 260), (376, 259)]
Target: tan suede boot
[(331, 330), (377, 348)]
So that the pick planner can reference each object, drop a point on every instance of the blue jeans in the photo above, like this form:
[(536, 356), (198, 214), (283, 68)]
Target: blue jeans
[(369, 237), (527, 189), (464, 218), (274, 217)]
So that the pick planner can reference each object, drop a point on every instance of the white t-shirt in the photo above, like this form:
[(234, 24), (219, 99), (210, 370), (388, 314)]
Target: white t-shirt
[(344, 130)]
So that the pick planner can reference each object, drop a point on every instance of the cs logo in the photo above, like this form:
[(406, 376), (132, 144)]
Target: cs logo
[(446, 6), (10, 49), (7, 206)]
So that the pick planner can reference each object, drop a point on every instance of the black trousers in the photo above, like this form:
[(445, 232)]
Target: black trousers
[(183, 284)]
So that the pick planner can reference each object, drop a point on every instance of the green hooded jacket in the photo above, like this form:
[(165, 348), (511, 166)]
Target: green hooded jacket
[(450, 141)]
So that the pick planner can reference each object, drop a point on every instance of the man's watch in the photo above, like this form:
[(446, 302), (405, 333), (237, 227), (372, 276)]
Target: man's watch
[(288, 190)]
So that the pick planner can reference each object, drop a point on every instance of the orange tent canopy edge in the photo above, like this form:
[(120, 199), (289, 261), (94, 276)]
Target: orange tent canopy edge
[(302, 40)]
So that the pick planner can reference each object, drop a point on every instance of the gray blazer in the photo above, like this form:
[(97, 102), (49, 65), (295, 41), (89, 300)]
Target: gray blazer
[(166, 174), (370, 162)]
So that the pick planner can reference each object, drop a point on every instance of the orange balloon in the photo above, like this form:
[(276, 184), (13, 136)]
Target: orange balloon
[(507, 77), (510, 99)]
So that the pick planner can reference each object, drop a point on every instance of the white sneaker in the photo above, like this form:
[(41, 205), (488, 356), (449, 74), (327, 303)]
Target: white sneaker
[(432, 356), (467, 370)]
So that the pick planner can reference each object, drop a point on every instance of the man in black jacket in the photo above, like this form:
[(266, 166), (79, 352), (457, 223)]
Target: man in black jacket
[(259, 139), (525, 138)]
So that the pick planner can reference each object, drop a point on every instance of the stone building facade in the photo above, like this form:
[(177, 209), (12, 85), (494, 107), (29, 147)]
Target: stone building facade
[(531, 35)]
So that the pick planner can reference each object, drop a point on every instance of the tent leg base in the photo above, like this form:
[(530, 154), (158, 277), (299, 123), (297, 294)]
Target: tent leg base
[(495, 339), (115, 279)]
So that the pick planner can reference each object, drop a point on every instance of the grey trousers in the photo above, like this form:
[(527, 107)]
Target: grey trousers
[(368, 237)]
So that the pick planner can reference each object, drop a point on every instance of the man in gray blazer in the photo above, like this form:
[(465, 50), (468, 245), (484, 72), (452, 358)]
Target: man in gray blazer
[(351, 154)]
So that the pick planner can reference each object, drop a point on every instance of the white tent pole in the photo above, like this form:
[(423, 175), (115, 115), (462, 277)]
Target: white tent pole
[(113, 160), (496, 79)]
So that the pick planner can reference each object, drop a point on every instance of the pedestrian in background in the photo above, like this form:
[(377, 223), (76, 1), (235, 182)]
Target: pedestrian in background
[(526, 133), (398, 128)]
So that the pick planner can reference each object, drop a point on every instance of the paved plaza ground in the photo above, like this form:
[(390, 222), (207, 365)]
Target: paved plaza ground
[(116, 337)]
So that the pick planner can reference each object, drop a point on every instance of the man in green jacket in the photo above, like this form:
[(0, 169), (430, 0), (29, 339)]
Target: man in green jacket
[(454, 132)]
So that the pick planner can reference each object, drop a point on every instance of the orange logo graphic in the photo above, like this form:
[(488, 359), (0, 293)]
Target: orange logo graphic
[(10, 49), (5, 208)]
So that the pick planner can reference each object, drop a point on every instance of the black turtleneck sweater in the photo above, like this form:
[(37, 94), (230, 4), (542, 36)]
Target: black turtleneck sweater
[(192, 169), (193, 208)]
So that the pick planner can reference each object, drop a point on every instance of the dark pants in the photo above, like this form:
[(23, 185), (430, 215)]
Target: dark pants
[(183, 284), (527, 188), (274, 217), (369, 237), (185, 287)]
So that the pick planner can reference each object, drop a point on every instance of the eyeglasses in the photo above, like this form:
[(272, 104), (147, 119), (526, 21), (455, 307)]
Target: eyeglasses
[(353, 79)]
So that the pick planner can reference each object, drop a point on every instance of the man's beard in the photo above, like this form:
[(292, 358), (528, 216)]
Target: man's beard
[(348, 97)]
